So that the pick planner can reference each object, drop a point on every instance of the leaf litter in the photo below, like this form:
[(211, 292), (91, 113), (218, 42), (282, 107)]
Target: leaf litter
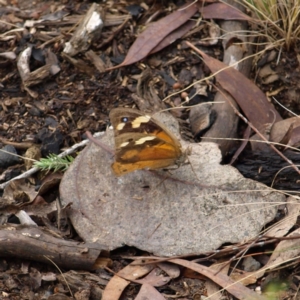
[(156, 32), (42, 75)]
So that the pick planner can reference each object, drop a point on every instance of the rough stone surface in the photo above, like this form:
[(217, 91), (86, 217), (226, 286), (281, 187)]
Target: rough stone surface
[(191, 209)]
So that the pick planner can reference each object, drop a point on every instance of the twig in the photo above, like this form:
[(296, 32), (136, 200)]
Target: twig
[(63, 154), (63, 276)]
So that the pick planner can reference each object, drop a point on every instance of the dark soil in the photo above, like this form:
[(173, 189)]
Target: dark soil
[(79, 98)]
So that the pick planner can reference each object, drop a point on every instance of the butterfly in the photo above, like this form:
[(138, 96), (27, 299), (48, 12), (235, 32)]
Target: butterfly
[(142, 142)]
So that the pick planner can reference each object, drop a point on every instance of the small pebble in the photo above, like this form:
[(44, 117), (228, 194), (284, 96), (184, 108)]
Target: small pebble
[(7, 159)]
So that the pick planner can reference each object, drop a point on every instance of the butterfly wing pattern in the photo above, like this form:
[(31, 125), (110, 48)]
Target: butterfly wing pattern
[(142, 142)]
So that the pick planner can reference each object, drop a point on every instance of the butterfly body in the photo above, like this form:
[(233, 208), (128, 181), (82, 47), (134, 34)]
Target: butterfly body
[(142, 142)]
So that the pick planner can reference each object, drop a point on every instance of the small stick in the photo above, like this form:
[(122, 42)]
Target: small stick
[(63, 154)]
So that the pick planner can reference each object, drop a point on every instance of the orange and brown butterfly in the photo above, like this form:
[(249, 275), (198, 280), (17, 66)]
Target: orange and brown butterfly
[(142, 142)]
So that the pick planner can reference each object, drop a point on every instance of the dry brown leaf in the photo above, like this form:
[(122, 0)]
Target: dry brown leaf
[(155, 278), (234, 288), (173, 36), (250, 98), (223, 11), (278, 230), (155, 33), (292, 135), (19, 193), (114, 288), (285, 251), (172, 270), (295, 137), (282, 227), (148, 292), (282, 131), (211, 287), (244, 277), (116, 285)]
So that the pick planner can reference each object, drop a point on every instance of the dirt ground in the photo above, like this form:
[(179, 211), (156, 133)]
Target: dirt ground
[(69, 95)]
